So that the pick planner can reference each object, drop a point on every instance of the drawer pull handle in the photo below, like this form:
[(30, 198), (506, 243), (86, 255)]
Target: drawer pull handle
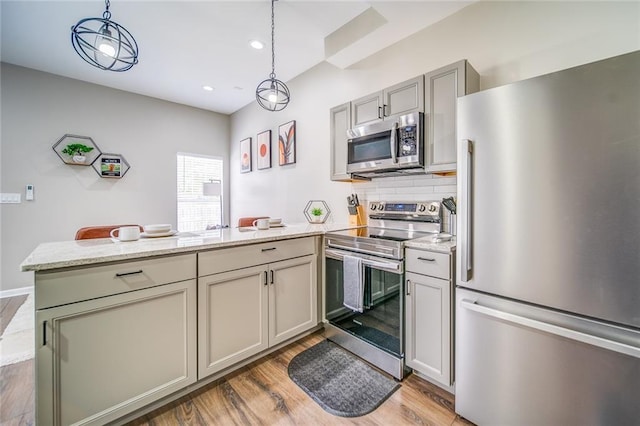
[(124, 274), (426, 259), (268, 249)]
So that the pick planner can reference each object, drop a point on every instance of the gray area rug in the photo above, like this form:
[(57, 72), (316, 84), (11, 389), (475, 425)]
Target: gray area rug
[(340, 382)]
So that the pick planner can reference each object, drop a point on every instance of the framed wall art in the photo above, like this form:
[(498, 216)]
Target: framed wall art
[(245, 155), (287, 143), (264, 150), (111, 166)]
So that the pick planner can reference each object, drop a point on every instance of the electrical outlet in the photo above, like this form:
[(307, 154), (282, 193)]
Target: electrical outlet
[(9, 198)]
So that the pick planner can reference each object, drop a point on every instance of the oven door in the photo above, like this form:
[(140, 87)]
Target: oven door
[(381, 322)]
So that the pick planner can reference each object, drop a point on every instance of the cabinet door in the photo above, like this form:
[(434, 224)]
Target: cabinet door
[(428, 326), (442, 88), (367, 109), (232, 318), (405, 97), (293, 298), (101, 359), (340, 123)]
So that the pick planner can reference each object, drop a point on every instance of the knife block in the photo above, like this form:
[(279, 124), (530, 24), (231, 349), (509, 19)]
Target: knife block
[(359, 219)]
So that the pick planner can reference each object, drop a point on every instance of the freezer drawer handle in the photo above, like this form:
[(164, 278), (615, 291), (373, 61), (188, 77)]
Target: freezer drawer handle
[(426, 259), (554, 329)]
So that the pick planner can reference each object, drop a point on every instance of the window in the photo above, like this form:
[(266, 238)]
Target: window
[(196, 211)]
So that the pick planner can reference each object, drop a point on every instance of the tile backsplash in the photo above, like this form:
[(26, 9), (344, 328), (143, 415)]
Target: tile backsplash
[(408, 188)]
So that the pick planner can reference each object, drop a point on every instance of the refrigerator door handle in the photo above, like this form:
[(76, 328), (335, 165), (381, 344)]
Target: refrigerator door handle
[(553, 329), (464, 213)]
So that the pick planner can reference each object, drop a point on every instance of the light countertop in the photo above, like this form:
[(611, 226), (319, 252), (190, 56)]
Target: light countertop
[(64, 254), (429, 243)]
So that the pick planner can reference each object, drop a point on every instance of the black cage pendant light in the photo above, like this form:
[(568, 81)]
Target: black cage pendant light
[(272, 94), (104, 44)]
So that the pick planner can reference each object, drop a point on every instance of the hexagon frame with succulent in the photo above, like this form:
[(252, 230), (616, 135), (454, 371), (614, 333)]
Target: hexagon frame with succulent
[(317, 211), (77, 150)]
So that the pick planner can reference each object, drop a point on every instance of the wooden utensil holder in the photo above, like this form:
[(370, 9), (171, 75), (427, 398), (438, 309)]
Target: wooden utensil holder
[(358, 219)]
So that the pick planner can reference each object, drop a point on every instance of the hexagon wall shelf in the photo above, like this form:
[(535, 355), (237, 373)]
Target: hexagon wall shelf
[(317, 206), (112, 166), (86, 159)]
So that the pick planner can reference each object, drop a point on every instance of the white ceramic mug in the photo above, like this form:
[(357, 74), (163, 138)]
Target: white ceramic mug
[(126, 233), (261, 223)]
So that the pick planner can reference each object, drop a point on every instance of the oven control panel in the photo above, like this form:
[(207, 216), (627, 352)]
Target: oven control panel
[(393, 208)]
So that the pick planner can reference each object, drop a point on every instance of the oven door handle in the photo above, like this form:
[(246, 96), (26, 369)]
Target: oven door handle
[(391, 266)]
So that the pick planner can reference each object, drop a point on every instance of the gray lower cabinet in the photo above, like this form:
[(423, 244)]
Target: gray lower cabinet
[(100, 359), (442, 88), (245, 311), (429, 315), (340, 118)]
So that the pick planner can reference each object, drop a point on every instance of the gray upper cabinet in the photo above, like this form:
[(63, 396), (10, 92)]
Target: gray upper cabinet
[(340, 117), (404, 97), (401, 98), (442, 88)]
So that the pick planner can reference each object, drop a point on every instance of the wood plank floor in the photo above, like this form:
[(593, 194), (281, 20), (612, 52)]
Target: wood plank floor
[(258, 394), (8, 308), (262, 394)]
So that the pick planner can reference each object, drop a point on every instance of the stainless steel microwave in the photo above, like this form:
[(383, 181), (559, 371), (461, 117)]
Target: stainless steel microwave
[(393, 146)]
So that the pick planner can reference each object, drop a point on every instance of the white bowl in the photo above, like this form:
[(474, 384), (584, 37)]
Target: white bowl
[(157, 228), (275, 221)]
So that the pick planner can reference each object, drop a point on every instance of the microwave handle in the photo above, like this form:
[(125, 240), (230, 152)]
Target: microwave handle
[(393, 140)]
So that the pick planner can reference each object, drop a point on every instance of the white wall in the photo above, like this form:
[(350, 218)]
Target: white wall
[(39, 108), (504, 41)]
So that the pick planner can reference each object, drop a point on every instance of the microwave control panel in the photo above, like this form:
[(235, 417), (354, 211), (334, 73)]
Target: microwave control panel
[(408, 140)]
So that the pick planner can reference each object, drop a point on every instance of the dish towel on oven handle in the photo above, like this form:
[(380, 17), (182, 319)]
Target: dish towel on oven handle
[(353, 288)]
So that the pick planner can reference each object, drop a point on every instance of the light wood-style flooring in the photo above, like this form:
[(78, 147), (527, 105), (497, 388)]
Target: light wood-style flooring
[(258, 394), (262, 394)]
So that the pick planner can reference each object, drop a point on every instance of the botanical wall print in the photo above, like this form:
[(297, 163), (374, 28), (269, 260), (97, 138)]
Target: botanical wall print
[(245, 155), (264, 150), (287, 143)]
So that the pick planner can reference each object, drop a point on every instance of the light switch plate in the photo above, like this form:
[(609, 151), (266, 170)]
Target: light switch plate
[(9, 198)]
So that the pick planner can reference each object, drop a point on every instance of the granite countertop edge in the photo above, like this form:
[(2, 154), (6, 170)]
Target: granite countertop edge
[(66, 254), (77, 253)]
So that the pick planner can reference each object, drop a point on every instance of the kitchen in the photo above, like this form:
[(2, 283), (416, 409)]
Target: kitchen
[(504, 41)]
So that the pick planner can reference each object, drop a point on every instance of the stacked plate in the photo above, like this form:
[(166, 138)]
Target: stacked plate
[(158, 230)]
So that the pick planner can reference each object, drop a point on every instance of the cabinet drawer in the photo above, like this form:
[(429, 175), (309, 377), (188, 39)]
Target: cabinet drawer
[(228, 259), (428, 263), (74, 285)]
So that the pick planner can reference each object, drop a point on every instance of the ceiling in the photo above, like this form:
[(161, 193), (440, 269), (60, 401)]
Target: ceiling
[(185, 45)]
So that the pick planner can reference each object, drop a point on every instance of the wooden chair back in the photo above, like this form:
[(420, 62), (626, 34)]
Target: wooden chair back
[(91, 232)]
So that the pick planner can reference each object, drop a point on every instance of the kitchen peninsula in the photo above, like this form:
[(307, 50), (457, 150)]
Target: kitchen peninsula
[(158, 317)]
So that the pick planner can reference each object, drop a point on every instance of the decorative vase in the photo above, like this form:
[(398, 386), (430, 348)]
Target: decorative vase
[(79, 158)]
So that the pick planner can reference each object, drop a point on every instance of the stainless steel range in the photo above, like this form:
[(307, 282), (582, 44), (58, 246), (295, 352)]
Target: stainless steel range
[(364, 280)]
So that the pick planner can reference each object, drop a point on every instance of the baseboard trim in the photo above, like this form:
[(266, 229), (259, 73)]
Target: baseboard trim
[(16, 292)]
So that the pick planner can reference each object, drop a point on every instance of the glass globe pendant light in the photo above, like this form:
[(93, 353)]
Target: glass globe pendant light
[(104, 43), (272, 94)]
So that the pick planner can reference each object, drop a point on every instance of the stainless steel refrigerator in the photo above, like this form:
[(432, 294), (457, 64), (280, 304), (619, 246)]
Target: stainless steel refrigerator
[(548, 258)]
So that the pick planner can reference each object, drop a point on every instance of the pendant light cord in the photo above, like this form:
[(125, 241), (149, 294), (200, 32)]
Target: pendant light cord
[(273, 42), (107, 15)]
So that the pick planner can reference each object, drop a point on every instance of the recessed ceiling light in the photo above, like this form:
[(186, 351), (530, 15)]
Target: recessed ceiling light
[(256, 44), (207, 88)]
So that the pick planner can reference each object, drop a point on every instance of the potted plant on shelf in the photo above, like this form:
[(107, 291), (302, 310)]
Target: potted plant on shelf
[(316, 214), (77, 152)]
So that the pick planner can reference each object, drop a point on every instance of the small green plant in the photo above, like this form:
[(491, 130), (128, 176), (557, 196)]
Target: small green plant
[(316, 211), (76, 149)]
